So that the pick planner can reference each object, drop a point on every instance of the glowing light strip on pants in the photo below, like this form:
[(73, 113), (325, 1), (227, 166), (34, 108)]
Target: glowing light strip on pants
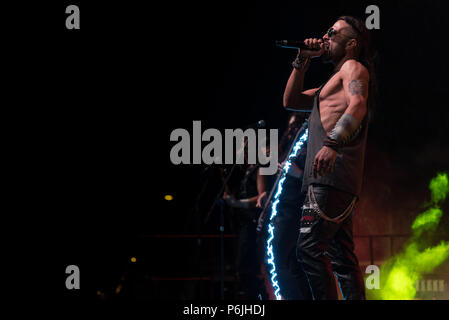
[(270, 253)]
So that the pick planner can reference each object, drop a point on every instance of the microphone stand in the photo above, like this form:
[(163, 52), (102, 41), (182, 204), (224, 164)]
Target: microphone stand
[(198, 223), (219, 200)]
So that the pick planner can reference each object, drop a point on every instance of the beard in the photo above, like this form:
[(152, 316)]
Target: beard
[(332, 55), (326, 57)]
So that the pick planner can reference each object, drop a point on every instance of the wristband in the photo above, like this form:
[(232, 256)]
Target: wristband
[(301, 62), (345, 130), (331, 143)]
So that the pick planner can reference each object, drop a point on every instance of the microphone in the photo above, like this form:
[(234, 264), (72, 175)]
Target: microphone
[(257, 125), (261, 124), (294, 44)]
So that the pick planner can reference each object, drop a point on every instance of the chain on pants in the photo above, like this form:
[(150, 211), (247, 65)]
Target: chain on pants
[(325, 244)]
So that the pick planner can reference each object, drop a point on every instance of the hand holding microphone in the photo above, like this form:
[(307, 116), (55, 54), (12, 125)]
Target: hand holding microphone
[(311, 47), (315, 48)]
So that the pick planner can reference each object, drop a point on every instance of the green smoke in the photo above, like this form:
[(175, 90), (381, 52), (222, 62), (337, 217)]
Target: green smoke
[(439, 187), (408, 268), (427, 221), (400, 273)]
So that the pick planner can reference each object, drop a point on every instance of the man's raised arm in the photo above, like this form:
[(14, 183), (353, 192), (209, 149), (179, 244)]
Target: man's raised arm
[(295, 98)]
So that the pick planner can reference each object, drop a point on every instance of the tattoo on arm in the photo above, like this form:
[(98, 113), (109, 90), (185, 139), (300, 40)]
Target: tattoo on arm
[(356, 87), (346, 128)]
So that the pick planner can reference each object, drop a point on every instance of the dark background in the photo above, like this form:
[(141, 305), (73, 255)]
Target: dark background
[(103, 101)]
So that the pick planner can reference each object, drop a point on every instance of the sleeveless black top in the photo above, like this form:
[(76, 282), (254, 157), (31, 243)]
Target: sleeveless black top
[(348, 168)]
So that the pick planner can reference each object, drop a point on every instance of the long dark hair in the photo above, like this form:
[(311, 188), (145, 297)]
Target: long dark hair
[(365, 55)]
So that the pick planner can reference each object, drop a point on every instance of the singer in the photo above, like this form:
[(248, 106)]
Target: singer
[(335, 156)]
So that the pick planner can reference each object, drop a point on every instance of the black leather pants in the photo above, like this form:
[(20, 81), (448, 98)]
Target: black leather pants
[(325, 247), (292, 279)]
